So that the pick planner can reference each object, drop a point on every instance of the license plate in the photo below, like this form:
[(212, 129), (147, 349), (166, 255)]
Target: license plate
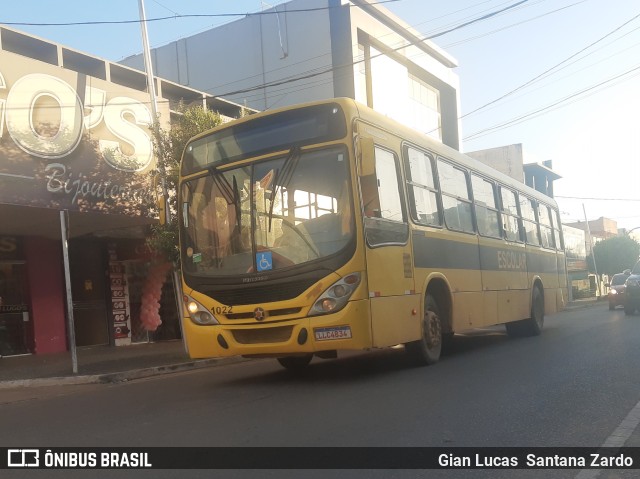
[(326, 334)]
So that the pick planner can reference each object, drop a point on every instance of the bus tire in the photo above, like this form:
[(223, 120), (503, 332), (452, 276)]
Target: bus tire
[(295, 363), (427, 350), (531, 326)]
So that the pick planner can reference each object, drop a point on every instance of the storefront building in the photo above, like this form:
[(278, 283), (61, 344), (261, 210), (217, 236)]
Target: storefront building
[(74, 137)]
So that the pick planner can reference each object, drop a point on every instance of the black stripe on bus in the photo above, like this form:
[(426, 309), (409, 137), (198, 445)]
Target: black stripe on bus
[(437, 253)]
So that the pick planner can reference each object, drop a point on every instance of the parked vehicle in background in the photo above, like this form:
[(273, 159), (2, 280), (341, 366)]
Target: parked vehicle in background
[(616, 290), (632, 291)]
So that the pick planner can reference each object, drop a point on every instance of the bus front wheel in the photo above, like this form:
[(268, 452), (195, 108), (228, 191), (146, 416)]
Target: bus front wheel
[(295, 363), (428, 348)]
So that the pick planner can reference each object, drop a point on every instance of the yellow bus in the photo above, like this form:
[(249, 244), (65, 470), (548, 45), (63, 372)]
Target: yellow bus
[(327, 226)]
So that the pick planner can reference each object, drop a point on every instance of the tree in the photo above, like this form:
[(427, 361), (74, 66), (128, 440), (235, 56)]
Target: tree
[(168, 146), (614, 255)]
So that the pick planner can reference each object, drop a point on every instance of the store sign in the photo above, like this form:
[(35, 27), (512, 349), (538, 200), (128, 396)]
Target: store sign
[(72, 141), (10, 248), (45, 117)]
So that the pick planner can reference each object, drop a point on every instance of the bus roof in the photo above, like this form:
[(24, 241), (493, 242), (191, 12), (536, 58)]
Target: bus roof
[(355, 110)]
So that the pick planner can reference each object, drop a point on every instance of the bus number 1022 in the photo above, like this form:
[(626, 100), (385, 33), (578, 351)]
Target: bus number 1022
[(222, 309)]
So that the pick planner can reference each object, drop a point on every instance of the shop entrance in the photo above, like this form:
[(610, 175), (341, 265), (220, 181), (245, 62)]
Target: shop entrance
[(88, 288), (16, 332)]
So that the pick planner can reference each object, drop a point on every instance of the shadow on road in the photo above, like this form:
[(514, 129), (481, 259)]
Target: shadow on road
[(364, 366)]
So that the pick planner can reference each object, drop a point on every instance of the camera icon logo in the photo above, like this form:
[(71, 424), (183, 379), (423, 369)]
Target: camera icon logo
[(23, 458)]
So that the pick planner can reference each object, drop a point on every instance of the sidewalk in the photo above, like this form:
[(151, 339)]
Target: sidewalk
[(100, 364), (584, 303)]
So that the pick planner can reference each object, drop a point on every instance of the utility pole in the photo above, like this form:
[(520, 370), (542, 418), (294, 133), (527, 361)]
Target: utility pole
[(177, 284), (591, 248), (71, 330)]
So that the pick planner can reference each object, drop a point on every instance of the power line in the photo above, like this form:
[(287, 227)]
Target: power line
[(609, 58), (316, 72), (596, 199), (312, 84), (466, 40), (527, 116), (178, 16), (537, 77), (290, 65)]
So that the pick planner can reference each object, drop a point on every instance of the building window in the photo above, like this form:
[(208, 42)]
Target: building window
[(424, 108), (361, 76), (385, 84)]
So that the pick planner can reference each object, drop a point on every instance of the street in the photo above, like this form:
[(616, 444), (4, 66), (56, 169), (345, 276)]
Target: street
[(572, 386)]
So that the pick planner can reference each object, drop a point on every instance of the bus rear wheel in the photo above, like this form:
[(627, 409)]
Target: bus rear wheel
[(295, 363), (427, 350), (531, 326)]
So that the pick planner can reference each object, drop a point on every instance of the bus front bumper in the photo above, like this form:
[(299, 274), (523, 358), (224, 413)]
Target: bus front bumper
[(347, 329)]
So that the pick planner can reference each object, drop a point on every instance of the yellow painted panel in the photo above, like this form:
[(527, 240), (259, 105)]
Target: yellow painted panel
[(395, 319), (467, 310), (513, 305)]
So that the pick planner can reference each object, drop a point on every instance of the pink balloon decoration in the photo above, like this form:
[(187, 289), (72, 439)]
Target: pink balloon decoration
[(151, 294)]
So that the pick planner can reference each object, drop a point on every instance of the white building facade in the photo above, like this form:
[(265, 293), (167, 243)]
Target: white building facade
[(307, 50)]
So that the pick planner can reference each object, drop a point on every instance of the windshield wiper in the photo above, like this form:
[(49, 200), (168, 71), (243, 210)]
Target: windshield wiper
[(236, 203), (222, 183), (231, 194), (289, 166)]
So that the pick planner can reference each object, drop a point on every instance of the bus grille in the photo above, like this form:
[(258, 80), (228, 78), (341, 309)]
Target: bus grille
[(270, 313), (280, 334), (259, 294)]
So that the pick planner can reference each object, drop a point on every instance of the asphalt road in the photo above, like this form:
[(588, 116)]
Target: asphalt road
[(572, 386)]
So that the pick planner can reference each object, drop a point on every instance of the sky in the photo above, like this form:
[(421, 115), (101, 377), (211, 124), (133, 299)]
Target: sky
[(561, 77)]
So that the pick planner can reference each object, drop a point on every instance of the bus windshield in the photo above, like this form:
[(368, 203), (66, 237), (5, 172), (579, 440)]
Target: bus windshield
[(267, 216)]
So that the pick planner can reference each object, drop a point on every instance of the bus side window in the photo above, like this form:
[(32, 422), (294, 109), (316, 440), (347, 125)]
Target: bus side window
[(557, 230), (370, 198), (456, 201), (487, 214), (546, 231), (381, 202), (510, 223), (421, 187), (380, 191), (527, 209)]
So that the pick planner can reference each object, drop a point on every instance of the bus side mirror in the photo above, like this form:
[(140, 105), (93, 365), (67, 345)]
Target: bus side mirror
[(366, 155)]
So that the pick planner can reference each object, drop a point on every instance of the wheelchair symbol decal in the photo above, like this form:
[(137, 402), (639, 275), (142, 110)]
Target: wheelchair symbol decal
[(264, 261)]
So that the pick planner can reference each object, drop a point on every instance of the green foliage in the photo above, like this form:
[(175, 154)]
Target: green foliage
[(168, 146), (614, 255)]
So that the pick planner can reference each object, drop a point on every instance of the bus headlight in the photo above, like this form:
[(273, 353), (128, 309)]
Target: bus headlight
[(198, 313), (336, 296)]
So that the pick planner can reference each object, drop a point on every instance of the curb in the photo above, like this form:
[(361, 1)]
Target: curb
[(121, 376), (581, 305)]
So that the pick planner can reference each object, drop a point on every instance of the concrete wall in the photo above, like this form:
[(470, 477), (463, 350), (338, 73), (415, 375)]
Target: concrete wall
[(255, 50), (320, 46), (506, 159)]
